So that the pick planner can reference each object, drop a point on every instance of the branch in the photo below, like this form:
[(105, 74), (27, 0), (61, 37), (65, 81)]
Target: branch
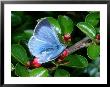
[(81, 44)]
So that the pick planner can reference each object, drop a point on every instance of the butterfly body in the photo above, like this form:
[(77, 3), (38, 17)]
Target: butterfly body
[(45, 44)]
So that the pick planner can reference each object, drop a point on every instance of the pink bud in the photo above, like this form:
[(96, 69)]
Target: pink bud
[(34, 63), (64, 54), (67, 37)]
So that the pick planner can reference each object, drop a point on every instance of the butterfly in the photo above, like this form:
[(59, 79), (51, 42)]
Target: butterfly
[(44, 43)]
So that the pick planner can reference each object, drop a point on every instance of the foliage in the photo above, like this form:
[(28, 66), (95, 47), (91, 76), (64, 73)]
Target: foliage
[(78, 24)]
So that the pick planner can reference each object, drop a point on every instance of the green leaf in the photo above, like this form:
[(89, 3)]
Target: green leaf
[(97, 74), (27, 24), (93, 18), (19, 53), (76, 61), (28, 34), (13, 60), (88, 29), (21, 70), (15, 20), (12, 67), (96, 62), (93, 51), (66, 24), (18, 38), (61, 73), (97, 30), (92, 70), (55, 24), (23, 36), (39, 72)]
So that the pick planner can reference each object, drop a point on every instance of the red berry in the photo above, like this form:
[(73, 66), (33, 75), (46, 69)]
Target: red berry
[(98, 36), (67, 37), (64, 54), (34, 63)]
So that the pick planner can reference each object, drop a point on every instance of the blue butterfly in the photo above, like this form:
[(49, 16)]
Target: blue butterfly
[(45, 44)]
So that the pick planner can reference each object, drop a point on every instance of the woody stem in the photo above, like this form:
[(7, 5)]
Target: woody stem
[(80, 44)]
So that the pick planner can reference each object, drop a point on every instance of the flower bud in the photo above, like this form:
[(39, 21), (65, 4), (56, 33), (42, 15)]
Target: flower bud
[(34, 63), (67, 37), (64, 54)]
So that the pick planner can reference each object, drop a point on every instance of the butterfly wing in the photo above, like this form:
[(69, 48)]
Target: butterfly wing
[(44, 43), (46, 32)]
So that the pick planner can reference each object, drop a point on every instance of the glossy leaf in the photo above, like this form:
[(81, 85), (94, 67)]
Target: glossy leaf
[(28, 34), (19, 53), (54, 23), (96, 62), (76, 61), (66, 24), (97, 74), (88, 29), (92, 70), (23, 36), (39, 72), (15, 20), (97, 30), (61, 73), (93, 51), (26, 25), (21, 70), (18, 38), (93, 18)]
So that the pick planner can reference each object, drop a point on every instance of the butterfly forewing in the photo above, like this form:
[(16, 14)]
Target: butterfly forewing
[(46, 32)]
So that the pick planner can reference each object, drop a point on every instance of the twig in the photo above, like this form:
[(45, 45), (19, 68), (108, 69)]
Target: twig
[(81, 44)]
